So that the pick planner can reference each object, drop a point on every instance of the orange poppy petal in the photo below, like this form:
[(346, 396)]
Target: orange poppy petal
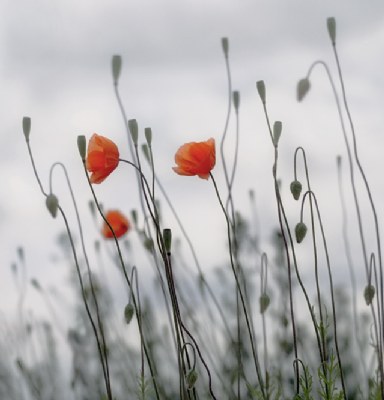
[(102, 157), (118, 222), (196, 158)]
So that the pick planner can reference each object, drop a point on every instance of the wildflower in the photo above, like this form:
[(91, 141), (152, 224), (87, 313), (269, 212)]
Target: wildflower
[(196, 158), (118, 222), (102, 157)]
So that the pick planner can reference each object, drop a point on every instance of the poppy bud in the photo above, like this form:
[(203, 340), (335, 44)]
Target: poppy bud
[(52, 204), (26, 127), (148, 244), (261, 90), (225, 45), (134, 130), (82, 146), (300, 231), (116, 68), (128, 313), (264, 302), (236, 100), (191, 379), (369, 294), (144, 148), (331, 26), (134, 216), (296, 188), (277, 127), (303, 87), (148, 135), (35, 284), (167, 236)]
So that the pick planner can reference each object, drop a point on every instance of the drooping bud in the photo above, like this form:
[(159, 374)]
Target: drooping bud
[(303, 87), (134, 130), (167, 237), (236, 100), (116, 68), (331, 26), (225, 45), (26, 127), (148, 136), (128, 313), (191, 379), (52, 204), (296, 188), (261, 90), (369, 294), (277, 128), (82, 146), (300, 232), (264, 301)]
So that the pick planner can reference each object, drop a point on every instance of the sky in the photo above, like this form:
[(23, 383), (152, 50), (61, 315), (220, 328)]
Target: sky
[(56, 69)]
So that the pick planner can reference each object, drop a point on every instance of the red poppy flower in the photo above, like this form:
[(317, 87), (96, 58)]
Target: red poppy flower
[(102, 157), (196, 158), (118, 222)]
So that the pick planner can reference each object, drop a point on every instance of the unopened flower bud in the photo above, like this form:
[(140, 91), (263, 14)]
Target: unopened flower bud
[(148, 135), (302, 89), (331, 26), (167, 237), (82, 146), (144, 148), (277, 127), (116, 68), (134, 130), (369, 294), (296, 188), (134, 216), (191, 379), (225, 45), (35, 284), (261, 90), (300, 231), (264, 301), (236, 100), (128, 313), (26, 127), (52, 204)]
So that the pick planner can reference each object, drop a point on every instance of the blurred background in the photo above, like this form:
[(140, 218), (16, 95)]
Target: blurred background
[(56, 68)]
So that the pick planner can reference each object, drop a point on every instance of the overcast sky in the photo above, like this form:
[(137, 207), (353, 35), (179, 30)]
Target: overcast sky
[(55, 68)]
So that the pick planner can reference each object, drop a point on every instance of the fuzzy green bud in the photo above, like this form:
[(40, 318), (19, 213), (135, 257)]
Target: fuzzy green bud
[(261, 90), (277, 128), (82, 146), (191, 379), (369, 294), (52, 204), (26, 127), (302, 89), (128, 313), (300, 232), (148, 135), (296, 188), (264, 301), (167, 237), (116, 68), (225, 45), (236, 100), (134, 130), (331, 26)]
